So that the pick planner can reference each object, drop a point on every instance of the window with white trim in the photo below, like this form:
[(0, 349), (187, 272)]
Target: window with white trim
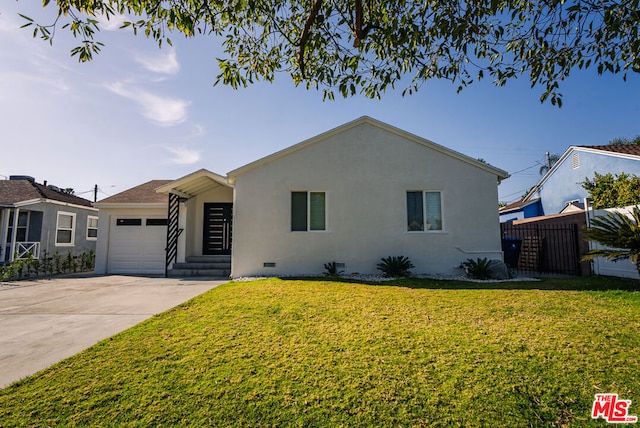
[(308, 211), (65, 229), (424, 211), (23, 226), (92, 228)]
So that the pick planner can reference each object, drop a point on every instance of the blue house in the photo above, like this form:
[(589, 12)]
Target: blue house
[(561, 188), (521, 209)]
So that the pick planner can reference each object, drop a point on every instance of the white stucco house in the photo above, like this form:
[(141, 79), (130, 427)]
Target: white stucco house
[(352, 195)]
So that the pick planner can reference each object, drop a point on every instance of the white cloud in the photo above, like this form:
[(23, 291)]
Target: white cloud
[(164, 64), (113, 23), (164, 111), (197, 131), (183, 156)]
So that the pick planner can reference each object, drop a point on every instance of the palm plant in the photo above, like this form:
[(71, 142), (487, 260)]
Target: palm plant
[(551, 160), (620, 233), (395, 266)]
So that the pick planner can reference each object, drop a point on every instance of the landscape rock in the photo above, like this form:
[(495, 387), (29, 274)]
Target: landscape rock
[(498, 269)]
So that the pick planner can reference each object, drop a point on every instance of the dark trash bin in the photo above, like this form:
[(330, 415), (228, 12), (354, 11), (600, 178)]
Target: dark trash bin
[(511, 249)]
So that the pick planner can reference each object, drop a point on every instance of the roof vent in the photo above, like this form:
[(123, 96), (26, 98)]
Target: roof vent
[(22, 177)]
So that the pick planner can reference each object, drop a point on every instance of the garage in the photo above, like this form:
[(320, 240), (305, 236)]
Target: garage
[(136, 245)]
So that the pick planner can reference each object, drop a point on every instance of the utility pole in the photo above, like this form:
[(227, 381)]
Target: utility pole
[(95, 193), (548, 159)]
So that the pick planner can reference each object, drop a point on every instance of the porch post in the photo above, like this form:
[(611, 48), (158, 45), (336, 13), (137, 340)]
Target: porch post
[(4, 228), (14, 233)]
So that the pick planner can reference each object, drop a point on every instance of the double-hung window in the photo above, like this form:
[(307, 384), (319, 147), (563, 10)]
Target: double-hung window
[(92, 227), (424, 211), (65, 229), (308, 211), (22, 228)]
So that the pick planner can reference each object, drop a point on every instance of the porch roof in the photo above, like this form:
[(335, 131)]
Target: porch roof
[(193, 184)]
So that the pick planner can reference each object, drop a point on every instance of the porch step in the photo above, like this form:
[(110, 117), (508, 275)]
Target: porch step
[(208, 259), (214, 273), (202, 265), (212, 266)]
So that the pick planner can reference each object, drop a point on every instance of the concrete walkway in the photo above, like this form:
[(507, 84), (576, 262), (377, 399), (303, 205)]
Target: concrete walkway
[(45, 321)]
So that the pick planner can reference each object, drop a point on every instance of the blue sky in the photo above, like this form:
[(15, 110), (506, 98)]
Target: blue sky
[(138, 113)]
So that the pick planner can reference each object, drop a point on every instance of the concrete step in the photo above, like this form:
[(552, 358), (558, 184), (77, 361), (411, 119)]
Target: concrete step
[(212, 266), (215, 273), (208, 259), (202, 265)]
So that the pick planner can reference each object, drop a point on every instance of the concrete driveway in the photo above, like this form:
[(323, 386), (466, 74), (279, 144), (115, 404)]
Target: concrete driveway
[(45, 321)]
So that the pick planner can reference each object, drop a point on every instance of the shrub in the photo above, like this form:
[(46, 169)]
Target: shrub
[(620, 233), (331, 269), (478, 269), (395, 266)]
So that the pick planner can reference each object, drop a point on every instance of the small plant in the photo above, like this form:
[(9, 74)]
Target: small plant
[(47, 263), (478, 269), (331, 269), (57, 263), (395, 266), (85, 262), (70, 264)]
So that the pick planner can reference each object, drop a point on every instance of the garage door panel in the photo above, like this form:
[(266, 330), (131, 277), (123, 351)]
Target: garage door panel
[(137, 249)]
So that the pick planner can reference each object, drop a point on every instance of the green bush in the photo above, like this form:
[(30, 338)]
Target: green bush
[(395, 266), (478, 269), (47, 266), (331, 269)]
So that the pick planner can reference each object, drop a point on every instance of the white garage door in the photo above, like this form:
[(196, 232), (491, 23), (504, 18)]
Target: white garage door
[(136, 245)]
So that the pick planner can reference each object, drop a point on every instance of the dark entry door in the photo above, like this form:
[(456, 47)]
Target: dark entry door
[(217, 229)]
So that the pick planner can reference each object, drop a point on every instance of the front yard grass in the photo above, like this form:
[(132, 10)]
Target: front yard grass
[(336, 353)]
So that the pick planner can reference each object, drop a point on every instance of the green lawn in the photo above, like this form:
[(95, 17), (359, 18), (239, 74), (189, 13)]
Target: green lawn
[(333, 353)]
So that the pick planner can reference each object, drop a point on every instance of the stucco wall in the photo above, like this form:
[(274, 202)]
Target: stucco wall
[(565, 183), (46, 216), (365, 173)]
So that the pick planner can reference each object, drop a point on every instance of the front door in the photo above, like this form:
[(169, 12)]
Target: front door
[(217, 228)]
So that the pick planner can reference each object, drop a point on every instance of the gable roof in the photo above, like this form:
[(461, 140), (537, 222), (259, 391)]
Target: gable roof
[(15, 191), (629, 151), (501, 174), (143, 194), (194, 183)]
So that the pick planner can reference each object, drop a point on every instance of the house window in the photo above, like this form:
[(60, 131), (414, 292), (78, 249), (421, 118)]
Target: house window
[(65, 229), (157, 222), (424, 211), (308, 211), (23, 224), (92, 228), (129, 222)]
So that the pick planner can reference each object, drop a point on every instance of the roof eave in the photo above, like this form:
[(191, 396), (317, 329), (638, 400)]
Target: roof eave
[(114, 205), (174, 186)]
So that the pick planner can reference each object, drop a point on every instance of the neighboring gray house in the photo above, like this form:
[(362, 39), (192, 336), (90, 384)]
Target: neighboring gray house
[(352, 195), (561, 187), (35, 218)]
